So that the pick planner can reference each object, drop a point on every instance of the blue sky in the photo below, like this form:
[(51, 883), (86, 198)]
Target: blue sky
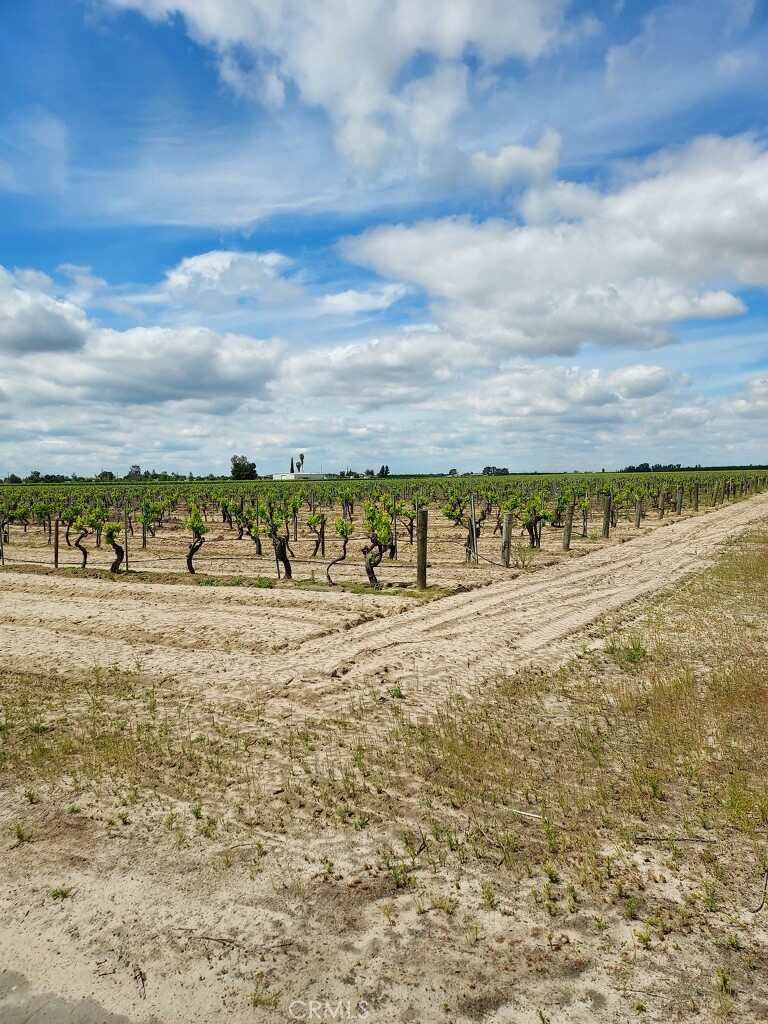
[(431, 234)]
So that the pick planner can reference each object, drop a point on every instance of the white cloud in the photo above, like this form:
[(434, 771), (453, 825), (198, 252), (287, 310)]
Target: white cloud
[(395, 369), (84, 285), (221, 279), (570, 394), (352, 301), (348, 58), (153, 365), (751, 403), (245, 290), (31, 320), (668, 244), (515, 161)]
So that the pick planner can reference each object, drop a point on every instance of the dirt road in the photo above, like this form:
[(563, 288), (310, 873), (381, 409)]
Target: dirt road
[(305, 652)]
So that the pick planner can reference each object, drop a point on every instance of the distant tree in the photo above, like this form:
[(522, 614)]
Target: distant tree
[(34, 477), (242, 469), (134, 473), (384, 471), (13, 479), (453, 472), (495, 471), (105, 474), (300, 462), (292, 469), (644, 467)]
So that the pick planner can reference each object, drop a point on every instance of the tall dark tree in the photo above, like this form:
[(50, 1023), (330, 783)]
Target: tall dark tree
[(242, 468)]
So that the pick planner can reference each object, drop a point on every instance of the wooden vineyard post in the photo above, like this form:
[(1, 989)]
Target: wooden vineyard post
[(421, 550), (638, 512), (125, 536), (695, 497), (473, 538), (662, 503), (569, 512), (506, 539), (56, 545), (679, 501), (394, 524), (607, 517)]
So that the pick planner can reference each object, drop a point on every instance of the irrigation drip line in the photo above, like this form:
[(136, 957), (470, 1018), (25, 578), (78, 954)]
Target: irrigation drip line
[(26, 561), (501, 565)]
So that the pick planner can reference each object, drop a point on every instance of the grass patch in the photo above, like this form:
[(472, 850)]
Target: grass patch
[(659, 742)]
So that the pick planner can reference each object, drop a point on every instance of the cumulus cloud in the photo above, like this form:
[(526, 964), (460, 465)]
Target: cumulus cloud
[(670, 243), (572, 394), (221, 279), (751, 401), (515, 161), (153, 365), (395, 369), (244, 288), (31, 320), (350, 59)]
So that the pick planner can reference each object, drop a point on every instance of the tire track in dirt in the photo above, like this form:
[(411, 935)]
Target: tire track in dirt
[(217, 641), (454, 642)]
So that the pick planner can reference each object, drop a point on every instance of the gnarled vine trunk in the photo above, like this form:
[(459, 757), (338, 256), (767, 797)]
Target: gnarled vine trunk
[(336, 561), (282, 548), (119, 556), (79, 545), (194, 547), (373, 554)]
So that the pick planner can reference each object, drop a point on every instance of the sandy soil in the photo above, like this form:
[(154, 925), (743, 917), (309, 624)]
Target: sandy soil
[(158, 932)]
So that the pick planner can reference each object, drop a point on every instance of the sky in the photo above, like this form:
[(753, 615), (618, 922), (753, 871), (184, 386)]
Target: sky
[(431, 234)]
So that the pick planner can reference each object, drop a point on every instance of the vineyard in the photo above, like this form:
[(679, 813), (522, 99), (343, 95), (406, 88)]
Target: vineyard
[(261, 786), (349, 533)]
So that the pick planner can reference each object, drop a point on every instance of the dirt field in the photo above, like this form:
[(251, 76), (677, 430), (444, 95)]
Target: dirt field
[(263, 887)]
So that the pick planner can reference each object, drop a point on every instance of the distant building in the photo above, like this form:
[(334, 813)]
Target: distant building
[(305, 476)]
